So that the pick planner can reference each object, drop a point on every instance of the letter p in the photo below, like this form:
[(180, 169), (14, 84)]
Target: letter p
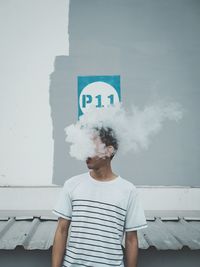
[(86, 99)]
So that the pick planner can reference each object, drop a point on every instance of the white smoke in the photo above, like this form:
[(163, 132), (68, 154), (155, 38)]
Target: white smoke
[(133, 129)]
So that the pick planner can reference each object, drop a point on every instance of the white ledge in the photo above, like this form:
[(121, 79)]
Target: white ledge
[(153, 198)]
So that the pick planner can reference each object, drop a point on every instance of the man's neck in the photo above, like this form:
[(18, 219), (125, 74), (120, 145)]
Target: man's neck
[(103, 174)]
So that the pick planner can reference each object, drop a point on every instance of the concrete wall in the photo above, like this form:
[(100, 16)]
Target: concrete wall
[(155, 47), (147, 258)]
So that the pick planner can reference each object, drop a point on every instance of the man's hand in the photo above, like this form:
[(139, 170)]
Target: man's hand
[(131, 249), (59, 243)]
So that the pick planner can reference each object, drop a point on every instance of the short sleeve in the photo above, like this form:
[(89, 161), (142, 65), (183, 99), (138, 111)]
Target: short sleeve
[(135, 218), (63, 206)]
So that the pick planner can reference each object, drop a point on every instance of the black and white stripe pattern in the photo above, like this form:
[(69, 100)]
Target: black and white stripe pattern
[(96, 234)]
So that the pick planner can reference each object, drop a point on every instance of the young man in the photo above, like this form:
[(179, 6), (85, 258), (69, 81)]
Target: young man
[(99, 206)]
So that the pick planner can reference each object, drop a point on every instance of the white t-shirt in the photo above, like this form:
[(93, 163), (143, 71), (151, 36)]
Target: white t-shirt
[(100, 212)]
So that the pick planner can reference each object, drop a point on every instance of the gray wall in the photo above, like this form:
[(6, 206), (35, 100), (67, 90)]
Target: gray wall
[(25, 258), (147, 258), (155, 47)]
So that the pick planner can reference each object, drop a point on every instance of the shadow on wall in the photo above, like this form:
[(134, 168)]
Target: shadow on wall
[(62, 113)]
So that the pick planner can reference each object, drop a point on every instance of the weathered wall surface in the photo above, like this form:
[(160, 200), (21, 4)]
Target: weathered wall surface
[(155, 47)]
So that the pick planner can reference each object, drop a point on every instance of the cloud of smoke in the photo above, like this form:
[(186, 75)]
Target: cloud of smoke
[(133, 129)]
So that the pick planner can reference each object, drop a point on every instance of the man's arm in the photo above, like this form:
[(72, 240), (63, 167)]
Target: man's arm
[(59, 243), (131, 249)]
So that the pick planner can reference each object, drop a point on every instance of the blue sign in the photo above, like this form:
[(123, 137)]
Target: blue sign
[(98, 91)]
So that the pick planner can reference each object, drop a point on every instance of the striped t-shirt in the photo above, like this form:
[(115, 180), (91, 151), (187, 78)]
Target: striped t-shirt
[(100, 212)]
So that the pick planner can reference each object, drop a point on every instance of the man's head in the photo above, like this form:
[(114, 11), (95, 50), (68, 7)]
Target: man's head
[(106, 146), (108, 138)]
